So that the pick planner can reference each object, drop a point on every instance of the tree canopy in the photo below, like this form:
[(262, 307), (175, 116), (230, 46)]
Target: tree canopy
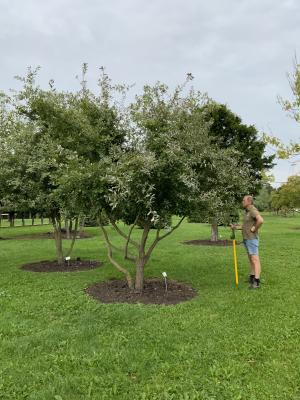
[(80, 154), (287, 197), (227, 131), (46, 131), (169, 166)]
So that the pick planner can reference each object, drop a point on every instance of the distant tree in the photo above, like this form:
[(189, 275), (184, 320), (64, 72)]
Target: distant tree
[(287, 197), (263, 200), (285, 151), (228, 132)]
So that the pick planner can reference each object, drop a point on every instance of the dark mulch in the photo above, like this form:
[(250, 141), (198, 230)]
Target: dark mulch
[(53, 266), (47, 235), (207, 242), (117, 291)]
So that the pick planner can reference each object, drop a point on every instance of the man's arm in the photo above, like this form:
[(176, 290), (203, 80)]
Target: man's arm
[(236, 226), (258, 223)]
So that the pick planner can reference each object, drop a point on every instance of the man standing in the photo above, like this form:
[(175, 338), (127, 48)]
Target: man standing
[(251, 224)]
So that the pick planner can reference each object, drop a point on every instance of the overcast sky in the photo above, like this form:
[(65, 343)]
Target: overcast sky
[(239, 51)]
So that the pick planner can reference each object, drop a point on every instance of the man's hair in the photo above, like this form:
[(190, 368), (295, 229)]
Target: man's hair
[(250, 198)]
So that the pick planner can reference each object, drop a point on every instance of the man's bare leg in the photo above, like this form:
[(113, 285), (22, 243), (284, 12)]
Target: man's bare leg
[(252, 265), (255, 261)]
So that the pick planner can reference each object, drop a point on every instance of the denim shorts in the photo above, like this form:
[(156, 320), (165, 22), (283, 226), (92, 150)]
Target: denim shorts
[(251, 246)]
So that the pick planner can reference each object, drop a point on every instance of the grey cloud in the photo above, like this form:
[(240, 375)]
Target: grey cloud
[(238, 51)]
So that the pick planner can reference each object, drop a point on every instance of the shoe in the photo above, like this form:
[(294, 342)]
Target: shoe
[(255, 284), (251, 280)]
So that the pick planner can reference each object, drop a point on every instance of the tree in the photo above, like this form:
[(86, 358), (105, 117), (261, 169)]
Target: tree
[(168, 167), (285, 151), (263, 200), (287, 197), (54, 129), (227, 131)]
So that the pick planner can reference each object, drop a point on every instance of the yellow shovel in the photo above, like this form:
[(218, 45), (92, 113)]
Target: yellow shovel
[(235, 258)]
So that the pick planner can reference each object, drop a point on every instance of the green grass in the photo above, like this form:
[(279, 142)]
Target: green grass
[(228, 343)]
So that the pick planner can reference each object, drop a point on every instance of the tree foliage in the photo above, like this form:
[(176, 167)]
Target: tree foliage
[(287, 197), (292, 107), (51, 130), (227, 131), (168, 166), (263, 201)]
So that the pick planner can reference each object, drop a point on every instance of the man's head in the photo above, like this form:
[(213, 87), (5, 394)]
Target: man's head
[(247, 201)]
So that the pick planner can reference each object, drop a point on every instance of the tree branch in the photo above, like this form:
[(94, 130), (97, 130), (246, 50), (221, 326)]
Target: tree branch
[(173, 229), (159, 238), (133, 242), (145, 237), (151, 248), (127, 256), (73, 237), (114, 262)]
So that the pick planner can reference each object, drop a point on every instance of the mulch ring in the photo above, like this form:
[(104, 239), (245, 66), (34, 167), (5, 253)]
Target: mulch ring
[(53, 266), (117, 291), (207, 242), (47, 235)]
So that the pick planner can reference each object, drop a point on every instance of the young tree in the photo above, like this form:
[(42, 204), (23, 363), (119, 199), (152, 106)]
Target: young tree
[(56, 128), (168, 167)]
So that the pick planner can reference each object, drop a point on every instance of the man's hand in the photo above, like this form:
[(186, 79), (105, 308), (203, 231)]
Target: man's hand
[(235, 226), (259, 222)]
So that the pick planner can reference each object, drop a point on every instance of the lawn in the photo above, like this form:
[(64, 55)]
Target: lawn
[(227, 343)]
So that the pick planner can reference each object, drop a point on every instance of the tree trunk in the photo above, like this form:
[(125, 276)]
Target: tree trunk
[(214, 232), (74, 235), (114, 262), (139, 277), (58, 245), (141, 261), (11, 219), (81, 228), (67, 227), (58, 240)]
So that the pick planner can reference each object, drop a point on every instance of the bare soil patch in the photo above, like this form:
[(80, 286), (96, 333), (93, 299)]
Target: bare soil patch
[(207, 242), (117, 291), (53, 266)]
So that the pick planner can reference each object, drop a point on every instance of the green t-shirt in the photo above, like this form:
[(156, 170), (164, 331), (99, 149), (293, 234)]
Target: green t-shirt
[(249, 220)]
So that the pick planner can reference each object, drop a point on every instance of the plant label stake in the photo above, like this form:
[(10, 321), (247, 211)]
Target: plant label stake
[(68, 259), (235, 258), (164, 274)]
